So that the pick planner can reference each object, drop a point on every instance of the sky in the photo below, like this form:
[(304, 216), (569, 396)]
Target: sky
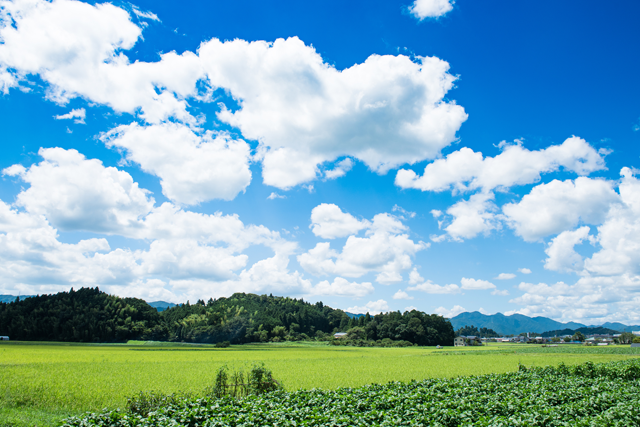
[(374, 155)]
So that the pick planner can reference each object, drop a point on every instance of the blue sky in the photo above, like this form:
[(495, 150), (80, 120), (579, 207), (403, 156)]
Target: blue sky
[(376, 155)]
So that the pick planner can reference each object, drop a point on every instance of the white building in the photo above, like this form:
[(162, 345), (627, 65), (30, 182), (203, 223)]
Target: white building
[(4, 338)]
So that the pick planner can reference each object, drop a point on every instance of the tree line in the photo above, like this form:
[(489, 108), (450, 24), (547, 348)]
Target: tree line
[(90, 315)]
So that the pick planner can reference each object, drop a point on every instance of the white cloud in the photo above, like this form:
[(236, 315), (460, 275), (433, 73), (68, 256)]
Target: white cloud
[(560, 205), (402, 295), (609, 283), (524, 270), (411, 308), (505, 276), (189, 254), (372, 307), (75, 193), (431, 288), (619, 235), (341, 287), (78, 114), (384, 250), (422, 9), (472, 217), (561, 254), (466, 170), (450, 313), (77, 49), (329, 222), (144, 14), (502, 292), (192, 168), (415, 277), (405, 213), (275, 195), (340, 169), (476, 285), (304, 112)]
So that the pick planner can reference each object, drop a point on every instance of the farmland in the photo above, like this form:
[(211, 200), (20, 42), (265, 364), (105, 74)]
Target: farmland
[(47, 382)]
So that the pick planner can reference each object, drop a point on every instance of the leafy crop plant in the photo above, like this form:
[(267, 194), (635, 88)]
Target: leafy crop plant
[(582, 395)]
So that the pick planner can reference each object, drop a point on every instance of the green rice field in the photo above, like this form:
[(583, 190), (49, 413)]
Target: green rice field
[(41, 383)]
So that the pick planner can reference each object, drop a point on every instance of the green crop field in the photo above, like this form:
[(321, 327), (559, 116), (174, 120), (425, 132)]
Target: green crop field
[(42, 383)]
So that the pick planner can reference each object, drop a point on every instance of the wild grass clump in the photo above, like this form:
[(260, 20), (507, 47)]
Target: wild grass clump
[(228, 384)]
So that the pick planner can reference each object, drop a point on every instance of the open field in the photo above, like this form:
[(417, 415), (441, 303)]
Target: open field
[(50, 381)]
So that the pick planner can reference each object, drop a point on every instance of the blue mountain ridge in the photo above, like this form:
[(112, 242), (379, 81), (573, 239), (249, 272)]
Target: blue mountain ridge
[(518, 323), (12, 298), (161, 305)]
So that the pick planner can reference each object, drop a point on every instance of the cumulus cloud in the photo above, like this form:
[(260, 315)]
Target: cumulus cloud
[(78, 115), (619, 235), (188, 254), (402, 295), (77, 48), (476, 285), (372, 307), (341, 287), (560, 205), (422, 9), (431, 288), (561, 254), (301, 110), (329, 222), (415, 277), (450, 313), (275, 195), (340, 169), (472, 217), (466, 170), (524, 270), (505, 276), (76, 193), (386, 249), (192, 168), (305, 112)]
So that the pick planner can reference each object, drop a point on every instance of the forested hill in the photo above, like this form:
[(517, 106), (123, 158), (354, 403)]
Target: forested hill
[(251, 318), (84, 315), (89, 315)]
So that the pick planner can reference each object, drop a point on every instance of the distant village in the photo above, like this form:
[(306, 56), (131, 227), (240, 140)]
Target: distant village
[(632, 338)]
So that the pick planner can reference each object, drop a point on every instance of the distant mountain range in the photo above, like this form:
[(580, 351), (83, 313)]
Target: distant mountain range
[(12, 298), (158, 305), (353, 315), (517, 323), (161, 305)]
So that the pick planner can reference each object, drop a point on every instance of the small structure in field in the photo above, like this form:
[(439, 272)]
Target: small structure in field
[(4, 338), (340, 335), (459, 342)]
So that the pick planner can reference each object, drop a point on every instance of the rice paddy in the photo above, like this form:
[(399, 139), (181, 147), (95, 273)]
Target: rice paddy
[(46, 382)]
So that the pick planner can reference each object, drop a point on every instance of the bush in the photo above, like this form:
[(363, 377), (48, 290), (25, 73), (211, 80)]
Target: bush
[(223, 344), (258, 381)]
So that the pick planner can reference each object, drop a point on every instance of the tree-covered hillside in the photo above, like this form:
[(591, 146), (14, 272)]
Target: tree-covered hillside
[(85, 315), (89, 315), (252, 318)]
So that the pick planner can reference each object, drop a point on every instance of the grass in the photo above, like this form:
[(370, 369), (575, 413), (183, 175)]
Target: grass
[(42, 383)]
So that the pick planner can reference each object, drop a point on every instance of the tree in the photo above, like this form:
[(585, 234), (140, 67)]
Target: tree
[(567, 339), (626, 338), (578, 336), (555, 339)]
